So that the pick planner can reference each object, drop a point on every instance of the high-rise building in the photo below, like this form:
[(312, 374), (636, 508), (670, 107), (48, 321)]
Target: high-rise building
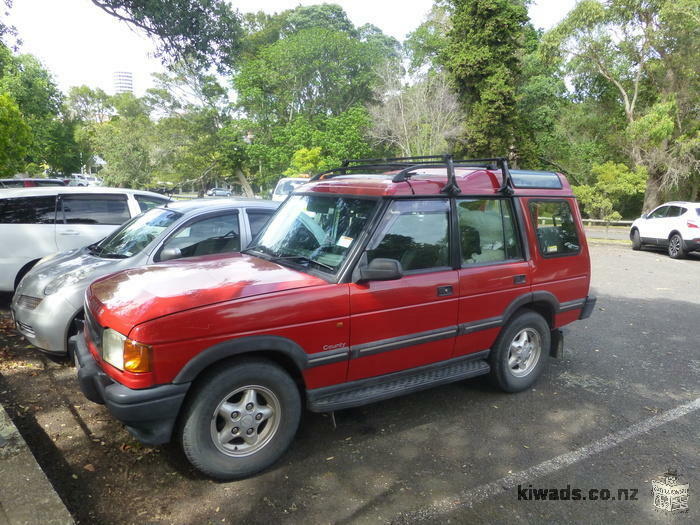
[(123, 82)]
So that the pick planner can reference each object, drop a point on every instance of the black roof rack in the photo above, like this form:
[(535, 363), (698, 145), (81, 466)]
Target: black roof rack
[(409, 165)]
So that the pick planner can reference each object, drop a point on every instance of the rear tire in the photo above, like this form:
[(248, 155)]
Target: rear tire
[(636, 240), (240, 419), (520, 353), (676, 248)]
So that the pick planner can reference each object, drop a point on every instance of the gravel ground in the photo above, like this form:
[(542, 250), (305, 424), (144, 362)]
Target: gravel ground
[(451, 454)]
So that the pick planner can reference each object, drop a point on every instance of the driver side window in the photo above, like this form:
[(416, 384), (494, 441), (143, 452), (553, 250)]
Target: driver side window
[(415, 233), (217, 234), (658, 213)]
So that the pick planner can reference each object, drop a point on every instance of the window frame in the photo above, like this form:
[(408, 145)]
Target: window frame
[(62, 197), (535, 226), (517, 228), (176, 228)]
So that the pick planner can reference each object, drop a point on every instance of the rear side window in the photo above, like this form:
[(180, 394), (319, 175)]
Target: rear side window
[(28, 210), (415, 233), (556, 230), (487, 231), (94, 209), (257, 220), (146, 202)]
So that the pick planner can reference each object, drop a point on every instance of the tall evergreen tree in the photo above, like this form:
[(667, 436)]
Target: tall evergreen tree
[(483, 55)]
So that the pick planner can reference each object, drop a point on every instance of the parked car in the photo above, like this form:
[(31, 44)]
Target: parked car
[(36, 222), (673, 225), (49, 300), (287, 185), (219, 192), (421, 276), (30, 183)]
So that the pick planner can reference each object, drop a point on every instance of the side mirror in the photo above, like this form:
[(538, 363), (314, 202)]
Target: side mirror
[(644, 215), (167, 254), (381, 270)]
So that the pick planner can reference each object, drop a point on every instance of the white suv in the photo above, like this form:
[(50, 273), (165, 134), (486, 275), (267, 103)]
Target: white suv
[(35, 222), (673, 225)]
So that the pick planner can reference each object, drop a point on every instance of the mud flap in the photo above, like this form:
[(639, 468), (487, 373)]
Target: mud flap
[(556, 349)]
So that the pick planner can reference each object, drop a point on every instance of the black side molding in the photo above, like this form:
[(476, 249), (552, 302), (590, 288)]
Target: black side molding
[(588, 306)]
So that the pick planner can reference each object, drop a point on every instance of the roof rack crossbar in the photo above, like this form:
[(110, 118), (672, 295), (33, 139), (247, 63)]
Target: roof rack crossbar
[(408, 165)]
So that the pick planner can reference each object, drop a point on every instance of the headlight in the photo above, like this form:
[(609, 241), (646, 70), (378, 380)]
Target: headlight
[(125, 354), (67, 279)]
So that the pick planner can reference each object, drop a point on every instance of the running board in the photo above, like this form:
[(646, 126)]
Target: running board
[(364, 391)]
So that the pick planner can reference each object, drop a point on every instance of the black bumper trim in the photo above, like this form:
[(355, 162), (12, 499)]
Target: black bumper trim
[(149, 414), (588, 306)]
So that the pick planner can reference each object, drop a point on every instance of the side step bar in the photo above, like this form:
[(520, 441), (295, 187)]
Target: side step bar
[(364, 391)]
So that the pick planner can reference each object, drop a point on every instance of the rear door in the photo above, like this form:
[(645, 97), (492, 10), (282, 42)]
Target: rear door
[(409, 322), (82, 219), (493, 272)]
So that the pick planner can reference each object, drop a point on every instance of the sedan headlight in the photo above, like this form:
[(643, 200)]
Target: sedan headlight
[(124, 353)]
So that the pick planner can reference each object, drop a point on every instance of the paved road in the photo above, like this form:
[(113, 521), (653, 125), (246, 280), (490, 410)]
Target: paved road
[(618, 411)]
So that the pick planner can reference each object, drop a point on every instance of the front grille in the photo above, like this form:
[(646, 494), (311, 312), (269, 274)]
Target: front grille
[(27, 329), (94, 329), (28, 302)]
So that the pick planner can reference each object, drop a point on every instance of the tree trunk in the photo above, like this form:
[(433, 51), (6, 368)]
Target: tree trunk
[(652, 195), (247, 190)]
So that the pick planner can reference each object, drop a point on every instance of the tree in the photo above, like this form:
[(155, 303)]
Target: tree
[(419, 119), (15, 137), (616, 191), (427, 42), (88, 105), (646, 51), (203, 32), (482, 55)]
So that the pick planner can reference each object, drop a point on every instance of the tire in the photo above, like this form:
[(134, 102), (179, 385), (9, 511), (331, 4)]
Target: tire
[(221, 405), (509, 370), (636, 240), (676, 248)]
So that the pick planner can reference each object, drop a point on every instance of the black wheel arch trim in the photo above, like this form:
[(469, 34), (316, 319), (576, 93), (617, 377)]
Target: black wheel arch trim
[(243, 345)]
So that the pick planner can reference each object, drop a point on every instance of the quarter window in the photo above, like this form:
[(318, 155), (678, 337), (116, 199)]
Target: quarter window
[(28, 210), (487, 231), (415, 233), (94, 209), (556, 230)]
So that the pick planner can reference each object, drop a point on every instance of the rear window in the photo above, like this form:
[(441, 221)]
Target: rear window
[(556, 230), (94, 209), (28, 210)]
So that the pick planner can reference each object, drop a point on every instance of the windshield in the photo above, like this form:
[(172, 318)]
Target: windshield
[(287, 186), (317, 231), (135, 235)]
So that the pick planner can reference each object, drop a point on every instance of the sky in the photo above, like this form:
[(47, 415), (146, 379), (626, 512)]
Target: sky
[(80, 44)]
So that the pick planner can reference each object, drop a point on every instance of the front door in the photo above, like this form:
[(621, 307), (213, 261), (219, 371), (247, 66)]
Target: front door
[(409, 322), (653, 226)]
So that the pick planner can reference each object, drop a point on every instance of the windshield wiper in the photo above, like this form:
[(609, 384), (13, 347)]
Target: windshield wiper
[(303, 258), (258, 248)]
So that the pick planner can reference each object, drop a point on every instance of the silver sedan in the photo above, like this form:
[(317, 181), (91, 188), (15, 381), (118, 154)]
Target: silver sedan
[(49, 299)]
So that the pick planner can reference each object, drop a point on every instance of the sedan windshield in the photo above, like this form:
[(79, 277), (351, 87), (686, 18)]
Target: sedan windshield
[(315, 231), (135, 235)]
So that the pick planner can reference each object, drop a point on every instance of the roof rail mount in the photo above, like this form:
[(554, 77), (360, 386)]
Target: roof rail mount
[(409, 165)]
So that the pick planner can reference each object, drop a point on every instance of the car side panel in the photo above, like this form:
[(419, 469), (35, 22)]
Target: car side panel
[(567, 277), (23, 243), (316, 318)]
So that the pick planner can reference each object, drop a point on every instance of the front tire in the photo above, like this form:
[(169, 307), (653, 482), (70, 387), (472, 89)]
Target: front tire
[(636, 240), (240, 419), (676, 248), (520, 353)]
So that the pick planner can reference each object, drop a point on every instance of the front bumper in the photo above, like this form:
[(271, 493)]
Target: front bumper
[(45, 326), (588, 307), (149, 414)]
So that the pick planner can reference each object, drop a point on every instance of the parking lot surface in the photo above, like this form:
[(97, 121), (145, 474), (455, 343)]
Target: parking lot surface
[(617, 412)]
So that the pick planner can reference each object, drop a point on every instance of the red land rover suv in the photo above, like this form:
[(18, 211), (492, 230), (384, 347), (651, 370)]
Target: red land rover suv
[(379, 278)]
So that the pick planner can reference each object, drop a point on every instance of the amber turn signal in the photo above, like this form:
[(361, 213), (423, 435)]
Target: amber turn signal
[(137, 357)]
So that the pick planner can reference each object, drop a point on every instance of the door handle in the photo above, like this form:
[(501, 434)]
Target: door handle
[(70, 232), (519, 279), (444, 291)]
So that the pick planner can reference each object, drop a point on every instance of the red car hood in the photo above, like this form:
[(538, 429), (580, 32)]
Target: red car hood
[(131, 297)]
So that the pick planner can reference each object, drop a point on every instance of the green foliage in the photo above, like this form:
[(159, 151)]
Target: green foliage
[(483, 56), (427, 42), (203, 32), (15, 137), (305, 161), (615, 192)]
